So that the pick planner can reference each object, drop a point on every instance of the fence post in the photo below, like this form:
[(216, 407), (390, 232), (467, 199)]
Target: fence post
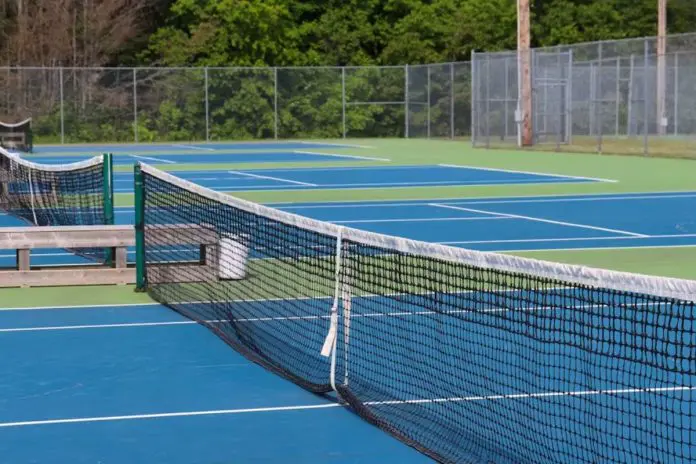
[(631, 127), (600, 100), (135, 104), (593, 98), (275, 102), (452, 101), (428, 95), (406, 97), (207, 105), (506, 84), (488, 100), (474, 102), (569, 99), (343, 99), (676, 93), (618, 93), (62, 102), (646, 55)]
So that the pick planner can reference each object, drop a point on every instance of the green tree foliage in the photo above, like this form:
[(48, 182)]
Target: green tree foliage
[(215, 35)]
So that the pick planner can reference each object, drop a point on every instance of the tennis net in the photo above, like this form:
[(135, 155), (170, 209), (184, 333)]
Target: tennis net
[(76, 194), (467, 356)]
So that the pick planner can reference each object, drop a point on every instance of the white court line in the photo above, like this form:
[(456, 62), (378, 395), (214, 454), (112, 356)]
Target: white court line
[(169, 414), (341, 145), (369, 221), (572, 239), (192, 147), (485, 200), (150, 158), (627, 247), (514, 396), (337, 155), (536, 219), (622, 391), (477, 168), (81, 307), (279, 179), (118, 305), (461, 201), (361, 186), (399, 314)]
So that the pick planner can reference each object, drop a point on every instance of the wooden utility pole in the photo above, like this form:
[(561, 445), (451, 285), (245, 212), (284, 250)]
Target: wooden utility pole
[(524, 71), (661, 65)]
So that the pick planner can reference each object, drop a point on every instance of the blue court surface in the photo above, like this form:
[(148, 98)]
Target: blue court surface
[(495, 224), (355, 178), (141, 384), (208, 157)]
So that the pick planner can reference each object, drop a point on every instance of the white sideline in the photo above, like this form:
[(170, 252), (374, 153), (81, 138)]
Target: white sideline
[(338, 155), (536, 219), (477, 168), (279, 179), (151, 158), (514, 396), (193, 147)]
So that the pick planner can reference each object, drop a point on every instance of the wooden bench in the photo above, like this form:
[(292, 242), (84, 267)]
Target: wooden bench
[(25, 239)]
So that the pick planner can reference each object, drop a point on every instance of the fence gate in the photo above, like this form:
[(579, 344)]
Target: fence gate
[(551, 94)]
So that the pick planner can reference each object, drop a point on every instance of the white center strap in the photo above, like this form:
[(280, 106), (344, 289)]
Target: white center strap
[(329, 347)]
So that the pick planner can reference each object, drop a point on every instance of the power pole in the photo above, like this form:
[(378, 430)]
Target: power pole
[(661, 66), (524, 65)]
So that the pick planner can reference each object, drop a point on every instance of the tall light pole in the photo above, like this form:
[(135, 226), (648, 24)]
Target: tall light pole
[(524, 72), (661, 66)]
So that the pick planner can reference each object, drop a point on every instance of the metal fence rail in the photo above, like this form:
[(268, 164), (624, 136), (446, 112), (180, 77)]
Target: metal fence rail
[(70, 105), (626, 96)]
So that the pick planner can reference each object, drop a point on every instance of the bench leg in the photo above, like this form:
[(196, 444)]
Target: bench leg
[(24, 259), (121, 257)]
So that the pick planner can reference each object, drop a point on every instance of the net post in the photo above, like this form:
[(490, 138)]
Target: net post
[(140, 280), (108, 199)]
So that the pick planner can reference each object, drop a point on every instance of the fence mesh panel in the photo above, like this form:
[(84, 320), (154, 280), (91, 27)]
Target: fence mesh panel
[(374, 101), (241, 104), (622, 96)]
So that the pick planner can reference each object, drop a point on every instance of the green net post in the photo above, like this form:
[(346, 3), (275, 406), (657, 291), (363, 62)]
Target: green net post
[(140, 281), (108, 199)]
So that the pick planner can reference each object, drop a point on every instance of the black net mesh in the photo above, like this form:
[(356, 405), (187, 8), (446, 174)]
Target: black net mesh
[(465, 362), (54, 195)]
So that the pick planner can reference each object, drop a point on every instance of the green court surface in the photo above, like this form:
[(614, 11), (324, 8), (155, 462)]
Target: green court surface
[(633, 174)]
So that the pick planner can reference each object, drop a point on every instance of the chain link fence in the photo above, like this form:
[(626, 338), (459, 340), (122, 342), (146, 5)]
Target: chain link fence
[(75, 105), (628, 96)]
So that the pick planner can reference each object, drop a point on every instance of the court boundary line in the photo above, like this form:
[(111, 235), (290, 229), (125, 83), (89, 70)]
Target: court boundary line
[(572, 239), (151, 158), (192, 147), (548, 197), (537, 219), (332, 144), (279, 179), (379, 221), (380, 186), (338, 155), (399, 314), (155, 303), (533, 250), (415, 401), (534, 173)]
